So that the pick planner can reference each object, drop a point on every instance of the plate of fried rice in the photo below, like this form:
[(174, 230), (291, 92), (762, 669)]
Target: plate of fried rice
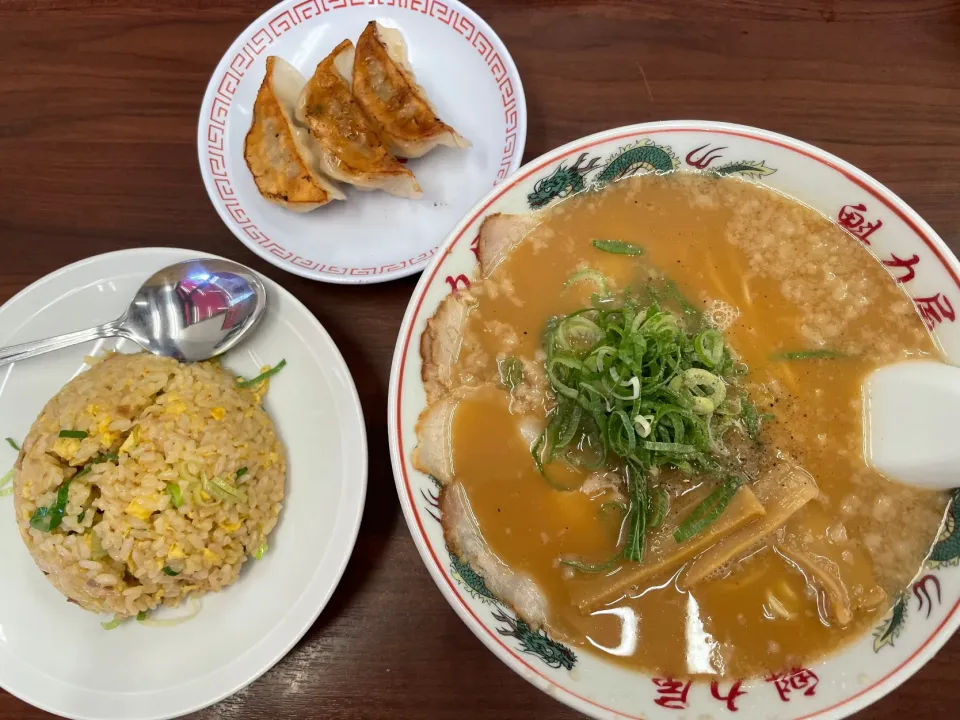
[(168, 530)]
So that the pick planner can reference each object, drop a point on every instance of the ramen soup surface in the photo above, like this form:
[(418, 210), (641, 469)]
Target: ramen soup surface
[(777, 278)]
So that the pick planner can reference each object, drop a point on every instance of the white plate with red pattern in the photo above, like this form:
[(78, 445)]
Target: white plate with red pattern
[(925, 616), (372, 237)]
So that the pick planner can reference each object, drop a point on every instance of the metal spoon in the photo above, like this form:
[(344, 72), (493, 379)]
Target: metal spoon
[(191, 311)]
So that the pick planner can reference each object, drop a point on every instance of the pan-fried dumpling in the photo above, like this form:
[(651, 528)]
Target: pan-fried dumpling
[(351, 149), (277, 151), (385, 87)]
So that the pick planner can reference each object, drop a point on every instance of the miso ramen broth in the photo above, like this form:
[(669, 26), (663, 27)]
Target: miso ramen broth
[(804, 313)]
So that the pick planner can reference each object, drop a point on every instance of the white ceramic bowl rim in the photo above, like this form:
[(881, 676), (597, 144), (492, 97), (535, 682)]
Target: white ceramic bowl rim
[(856, 701)]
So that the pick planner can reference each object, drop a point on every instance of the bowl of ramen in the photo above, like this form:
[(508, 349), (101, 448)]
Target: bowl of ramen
[(626, 426)]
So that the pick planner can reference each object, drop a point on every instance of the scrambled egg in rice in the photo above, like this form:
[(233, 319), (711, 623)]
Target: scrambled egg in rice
[(145, 480)]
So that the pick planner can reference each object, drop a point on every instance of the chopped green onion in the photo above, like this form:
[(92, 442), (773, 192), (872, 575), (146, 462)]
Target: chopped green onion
[(566, 428), (621, 434), (618, 247), (594, 276), (142, 615), (223, 490), (75, 434), (176, 497), (695, 380), (260, 551), (637, 519), (810, 355), (709, 346), (195, 608), (13, 443), (262, 376), (112, 624), (637, 388), (241, 472), (751, 418), (708, 511), (81, 516), (536, 451), (511, 372), (7, 479), (689, 309), (670, 447), (167, 570), (48, 519), (577, 332), (594, 567), (659, 501)]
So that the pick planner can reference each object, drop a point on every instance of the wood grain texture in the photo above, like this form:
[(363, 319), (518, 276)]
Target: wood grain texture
[(98, 108)]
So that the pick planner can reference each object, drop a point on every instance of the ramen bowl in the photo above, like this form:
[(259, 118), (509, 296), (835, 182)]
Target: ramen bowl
[(920, 620)]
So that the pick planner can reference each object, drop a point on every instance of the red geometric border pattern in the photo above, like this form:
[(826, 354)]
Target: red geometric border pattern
[(286, 21)]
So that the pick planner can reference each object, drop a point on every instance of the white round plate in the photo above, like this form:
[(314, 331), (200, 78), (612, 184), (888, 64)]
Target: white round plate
[(372, 237), (834, 687), (55, 655)]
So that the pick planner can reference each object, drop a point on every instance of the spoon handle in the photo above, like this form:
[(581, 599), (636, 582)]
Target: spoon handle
[(13, 353)]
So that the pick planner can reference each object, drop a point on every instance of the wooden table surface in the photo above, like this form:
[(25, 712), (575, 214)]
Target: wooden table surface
[(98, 109)]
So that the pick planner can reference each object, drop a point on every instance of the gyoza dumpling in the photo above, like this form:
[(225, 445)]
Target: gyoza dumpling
[(277, 151), (385, 87), (351, 149)]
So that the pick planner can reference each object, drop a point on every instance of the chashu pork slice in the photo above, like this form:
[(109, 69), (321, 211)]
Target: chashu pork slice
[(385, 86), (463, 536), (278, 153), (434, 456), (441, 339), (499, 234), (440, 345), (351, 150)]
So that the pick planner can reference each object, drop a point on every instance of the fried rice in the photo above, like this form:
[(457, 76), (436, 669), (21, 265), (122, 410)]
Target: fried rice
[(145, 481)]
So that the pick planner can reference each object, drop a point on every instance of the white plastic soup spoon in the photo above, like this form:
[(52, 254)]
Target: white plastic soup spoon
[(911, 423)]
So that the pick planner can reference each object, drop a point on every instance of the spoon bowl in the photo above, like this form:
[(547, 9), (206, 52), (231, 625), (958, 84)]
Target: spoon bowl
[(911, 411), (193, 310)]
